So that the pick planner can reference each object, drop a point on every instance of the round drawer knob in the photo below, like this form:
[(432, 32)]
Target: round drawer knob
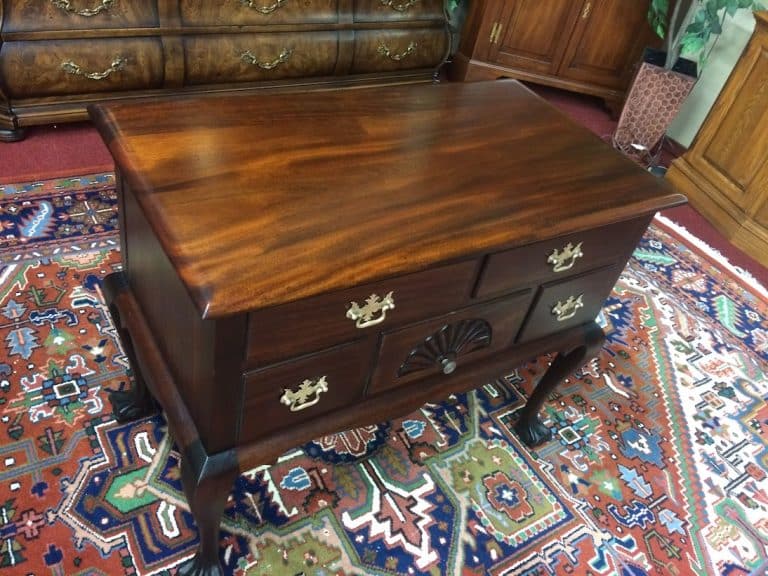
[(448, 364)]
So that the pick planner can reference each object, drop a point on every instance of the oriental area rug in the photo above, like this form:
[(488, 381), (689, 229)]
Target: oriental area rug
[(658, 463)]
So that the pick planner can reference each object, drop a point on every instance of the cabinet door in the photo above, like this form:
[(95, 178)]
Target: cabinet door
[(532, 34), (607, 42)]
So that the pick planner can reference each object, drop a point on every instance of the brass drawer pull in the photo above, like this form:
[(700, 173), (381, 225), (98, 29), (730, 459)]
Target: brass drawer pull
[(365, 316), (404, 7), (118, 63), (249, 58), (263, 9), (564, 259), (387, 53), (566, 310), (66, 6), (307, 395)]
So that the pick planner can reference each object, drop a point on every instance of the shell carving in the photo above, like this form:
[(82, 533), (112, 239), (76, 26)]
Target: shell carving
[(442, 348)]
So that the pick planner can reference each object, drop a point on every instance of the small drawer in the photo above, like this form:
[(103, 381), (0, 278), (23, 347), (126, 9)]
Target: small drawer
[(315, 323), (387, 50), (54, 67), (257, 12), (296, 391), (509, 270), (568, 303), (54, 15), (221, 58), (397, 10), (446, 343)]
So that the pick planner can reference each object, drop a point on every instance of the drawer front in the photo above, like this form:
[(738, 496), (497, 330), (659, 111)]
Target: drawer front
[(315, 323), (445, 344), (257, 12), (296, 391), (397, 10), (564, 304), (49, 15), (215, 59), (389, 50), (564, 256), (48, 68)]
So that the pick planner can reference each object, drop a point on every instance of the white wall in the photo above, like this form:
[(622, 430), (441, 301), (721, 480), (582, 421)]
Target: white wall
[(722, 59)]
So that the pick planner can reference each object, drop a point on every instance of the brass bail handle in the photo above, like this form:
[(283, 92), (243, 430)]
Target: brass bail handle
[(373, 312)]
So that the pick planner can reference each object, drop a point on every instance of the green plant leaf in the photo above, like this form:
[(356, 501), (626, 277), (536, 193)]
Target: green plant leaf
[(692, 44)]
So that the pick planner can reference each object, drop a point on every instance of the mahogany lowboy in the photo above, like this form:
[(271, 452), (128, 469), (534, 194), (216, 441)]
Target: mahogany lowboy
[(299, 265)]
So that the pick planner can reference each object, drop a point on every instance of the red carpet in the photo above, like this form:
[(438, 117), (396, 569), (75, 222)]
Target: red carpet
[(76, 149)]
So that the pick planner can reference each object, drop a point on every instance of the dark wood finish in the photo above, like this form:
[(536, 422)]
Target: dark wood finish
[(588, 46), (250, 230), (724, 172), (172, 47)]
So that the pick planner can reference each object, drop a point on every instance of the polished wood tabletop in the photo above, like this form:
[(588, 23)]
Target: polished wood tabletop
[(262, 200)]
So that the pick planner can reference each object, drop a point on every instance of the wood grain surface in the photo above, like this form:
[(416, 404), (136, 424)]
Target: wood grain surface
[(263, 200)]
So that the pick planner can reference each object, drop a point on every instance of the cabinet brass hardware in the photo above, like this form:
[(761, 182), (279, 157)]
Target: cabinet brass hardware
[(365, 316), (263, 9), (307, 395), (118, 63), (566, 310), (66, 6), (495, 32), (564, 259), (386, 52), (404, 7), (249, 58), (587, 11)]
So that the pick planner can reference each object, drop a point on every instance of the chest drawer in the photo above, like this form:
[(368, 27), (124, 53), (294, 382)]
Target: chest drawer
[(217, 58), (447, 343), (397, 10), (48, 15), (257, 12), (561, 257), (51, 67), (567, 303), (293, 392), (291, 329), (388, 50)]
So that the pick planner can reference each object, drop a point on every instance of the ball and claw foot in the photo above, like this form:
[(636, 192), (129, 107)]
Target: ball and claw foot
[(196, 567), (533, 433), (126, 407)]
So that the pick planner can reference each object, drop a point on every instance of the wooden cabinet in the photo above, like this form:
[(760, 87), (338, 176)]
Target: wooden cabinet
[(589, 46), (725, 171), (58, 57)]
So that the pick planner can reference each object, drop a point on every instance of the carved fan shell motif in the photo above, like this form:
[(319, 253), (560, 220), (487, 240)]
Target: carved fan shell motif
[(442, 348)]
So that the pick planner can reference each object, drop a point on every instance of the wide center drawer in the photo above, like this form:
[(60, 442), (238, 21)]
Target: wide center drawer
[(315, 323), (52, 67), (257, 12), (221, 58), (558, 258), (445, 344)]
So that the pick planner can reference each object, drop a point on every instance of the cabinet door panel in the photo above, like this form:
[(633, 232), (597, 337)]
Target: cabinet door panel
[(533, 34), (607, 42)]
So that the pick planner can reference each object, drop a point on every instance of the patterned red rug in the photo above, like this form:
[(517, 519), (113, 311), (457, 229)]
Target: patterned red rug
[(659, 463)]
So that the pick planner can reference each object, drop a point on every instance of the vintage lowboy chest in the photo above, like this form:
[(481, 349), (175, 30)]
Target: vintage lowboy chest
[(301, 264)]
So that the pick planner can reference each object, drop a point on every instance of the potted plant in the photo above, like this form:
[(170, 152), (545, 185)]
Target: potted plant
[(666, 77)]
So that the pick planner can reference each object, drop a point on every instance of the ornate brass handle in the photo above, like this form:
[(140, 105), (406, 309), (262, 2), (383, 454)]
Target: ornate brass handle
[(263, 9), (374, 312), (249, 58), (118, 63), (307, 395), (386, 52), (564, 259), (404, 7), (566, 310), (66, 6), (587, 11)]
